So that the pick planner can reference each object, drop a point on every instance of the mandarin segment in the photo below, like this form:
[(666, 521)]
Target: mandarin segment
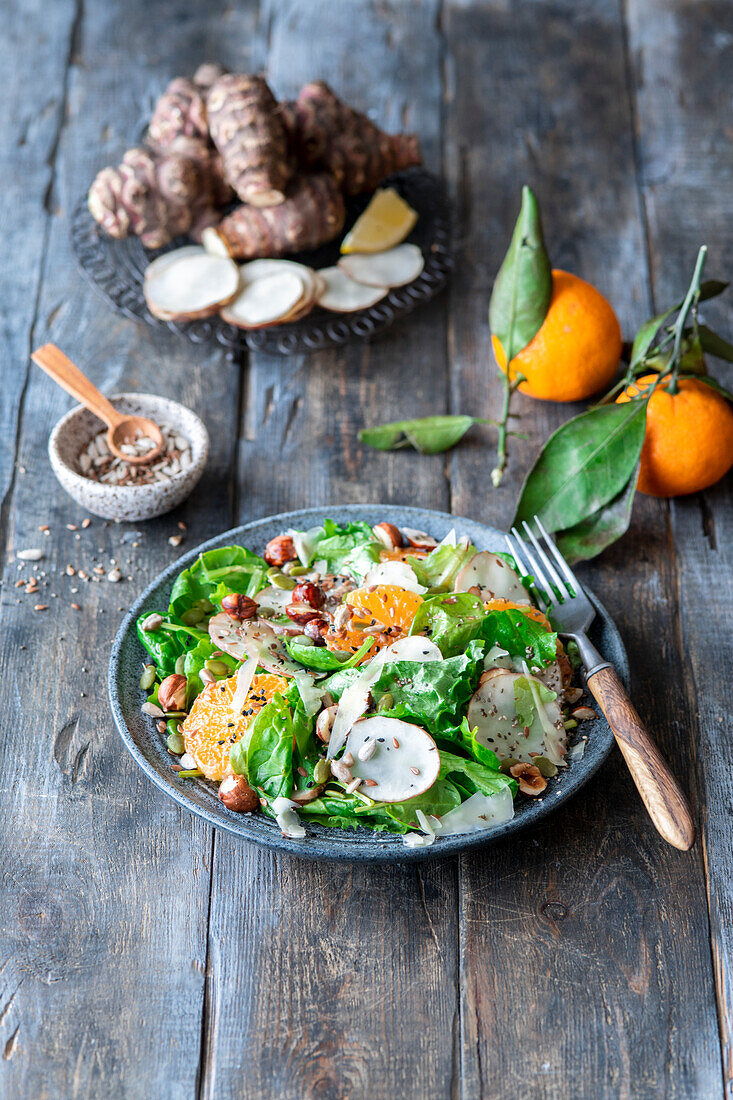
[(210, 729), (385, 605)]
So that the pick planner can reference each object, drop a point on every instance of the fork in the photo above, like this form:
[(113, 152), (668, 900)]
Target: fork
[(564, 600)]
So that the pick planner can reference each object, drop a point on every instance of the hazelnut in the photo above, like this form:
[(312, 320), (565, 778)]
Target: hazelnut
[(307, 795), (529, 777), (420, 540), (172, 692), (310, 593), (237, 795), (301, 613), (239, 607), (279, 550), (388, 535), (316, 630)]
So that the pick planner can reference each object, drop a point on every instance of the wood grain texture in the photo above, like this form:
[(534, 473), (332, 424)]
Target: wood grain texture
[(29, 130), (140, 957), (105, 882), (666, 803), (681, 60), (593, 925), (348, 974)]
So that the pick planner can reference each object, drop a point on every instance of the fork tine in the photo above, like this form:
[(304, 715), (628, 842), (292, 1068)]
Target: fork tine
[(514, 549), (557, 579), (535, 568), (569, 575)]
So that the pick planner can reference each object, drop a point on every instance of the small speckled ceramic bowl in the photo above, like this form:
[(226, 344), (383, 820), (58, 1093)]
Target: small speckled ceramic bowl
[(127, 502)]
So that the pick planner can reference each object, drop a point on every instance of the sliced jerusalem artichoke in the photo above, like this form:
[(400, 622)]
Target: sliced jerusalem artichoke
[(188, 284), (402, 760), (395, 267), (344, 295), (536, 730), (252, 639), (493, 577), (479, 812), (265, 301)]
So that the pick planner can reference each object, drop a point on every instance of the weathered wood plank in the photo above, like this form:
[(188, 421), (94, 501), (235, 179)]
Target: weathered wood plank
[(682, 58), (591, 924), (106, 882), (347, 973), (29, 129)]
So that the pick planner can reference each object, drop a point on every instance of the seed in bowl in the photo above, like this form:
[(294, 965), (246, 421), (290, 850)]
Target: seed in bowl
[(97, 463)]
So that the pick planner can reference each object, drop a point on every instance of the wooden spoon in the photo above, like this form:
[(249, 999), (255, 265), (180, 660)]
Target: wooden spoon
[(121, 429)]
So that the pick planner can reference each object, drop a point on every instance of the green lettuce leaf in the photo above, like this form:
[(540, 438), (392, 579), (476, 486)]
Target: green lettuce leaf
[(265, 753), (471, 776), (438, 571), (163, 646), (451, 620), (351, 546), (430, 693), (519, 636), (213, 575), (322, 659)]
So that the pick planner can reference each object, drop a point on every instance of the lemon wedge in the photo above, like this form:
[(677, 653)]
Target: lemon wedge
[(385, 223)]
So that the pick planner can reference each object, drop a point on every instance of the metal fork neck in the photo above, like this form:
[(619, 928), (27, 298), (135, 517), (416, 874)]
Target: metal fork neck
[(592, 660)]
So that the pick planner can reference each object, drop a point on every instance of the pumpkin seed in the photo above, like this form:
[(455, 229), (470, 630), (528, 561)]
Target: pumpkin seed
[(180, 664), (281, 581), (265, 613), (545, 767), (175, 743), (192, 616), (322, 771), (175, 714), (570, 724), (148, 678), (302, 640), (505, 765), (386, 702), (173, 726), (298, 571), (219, 668)]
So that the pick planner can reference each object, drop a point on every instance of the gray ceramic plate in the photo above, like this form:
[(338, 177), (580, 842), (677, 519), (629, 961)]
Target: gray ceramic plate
[(148, 747)]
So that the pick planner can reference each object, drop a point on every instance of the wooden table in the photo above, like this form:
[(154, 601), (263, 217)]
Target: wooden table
[(144, 955)]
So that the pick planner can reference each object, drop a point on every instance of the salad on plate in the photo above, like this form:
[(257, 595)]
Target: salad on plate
[(358, 676)]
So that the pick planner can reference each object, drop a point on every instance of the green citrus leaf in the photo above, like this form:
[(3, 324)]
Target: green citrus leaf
[(592, 535), (430, 434), (645, 336), (584, 465), (715, 345), (523, 288), (711, 288)]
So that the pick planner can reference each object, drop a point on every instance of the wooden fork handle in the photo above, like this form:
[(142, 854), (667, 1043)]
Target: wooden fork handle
[(663, 797), (70, 378)]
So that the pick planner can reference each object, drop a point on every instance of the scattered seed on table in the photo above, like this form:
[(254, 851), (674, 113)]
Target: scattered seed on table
[(76, 606), (175, 540), (71, 527), (86, 522), (41, 607), (33, 554), (114, 575)]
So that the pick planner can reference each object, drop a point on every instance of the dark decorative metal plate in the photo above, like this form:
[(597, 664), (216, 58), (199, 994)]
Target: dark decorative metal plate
[(116, 268), (149, 750)]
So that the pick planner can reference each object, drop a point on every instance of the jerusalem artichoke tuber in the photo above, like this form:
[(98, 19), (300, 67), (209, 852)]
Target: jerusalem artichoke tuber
[(152, 196), (325, 133), (245, 126), (311, 214)]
